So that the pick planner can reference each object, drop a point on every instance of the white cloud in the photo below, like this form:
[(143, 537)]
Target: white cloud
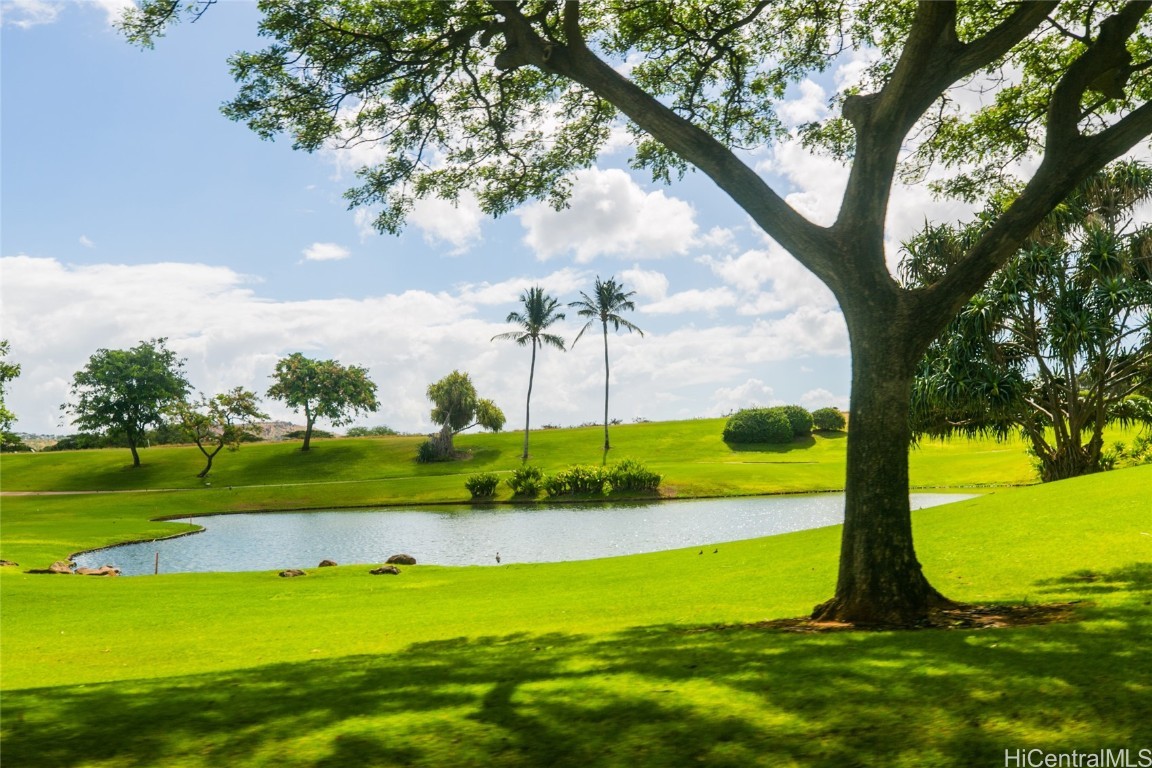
[(693, 300), (610, 214), (648, 284), (114, 9), (811, 105), (86, 242), (791, 284), (822, 398), (231, 336), (29, 13), (445, 221), (326, 252), (752, 393)]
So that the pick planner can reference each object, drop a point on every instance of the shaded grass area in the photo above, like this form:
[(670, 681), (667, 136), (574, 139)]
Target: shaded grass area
[(658, 695)]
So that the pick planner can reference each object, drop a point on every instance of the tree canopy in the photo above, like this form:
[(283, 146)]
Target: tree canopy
[(507, 100), (456, 407), (1060, 338), (322, 389), (223, 420), (8, 372), (124, 391)]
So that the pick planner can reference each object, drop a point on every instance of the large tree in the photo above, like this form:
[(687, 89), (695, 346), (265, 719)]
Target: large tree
[(533, 323), (322, 389), (457, 407), (223, 420), (607, 301), (1060, 338), (122, 392), (507, 99), (8, 372)]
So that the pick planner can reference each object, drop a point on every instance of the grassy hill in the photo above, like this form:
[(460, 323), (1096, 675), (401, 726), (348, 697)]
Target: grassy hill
[(647, 660)]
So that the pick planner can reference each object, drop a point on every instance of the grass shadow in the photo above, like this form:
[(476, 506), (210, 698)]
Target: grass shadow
[(797, 444), (664, 695)]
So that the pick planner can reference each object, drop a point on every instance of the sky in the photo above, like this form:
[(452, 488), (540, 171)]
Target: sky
[(132, 209)]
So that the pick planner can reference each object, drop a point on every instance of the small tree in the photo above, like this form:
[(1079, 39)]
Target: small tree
[(221, 421), (124, 391), (539, 313), (607, 301), (1060, 338), (322, 388), (8, 371), (456, 407)]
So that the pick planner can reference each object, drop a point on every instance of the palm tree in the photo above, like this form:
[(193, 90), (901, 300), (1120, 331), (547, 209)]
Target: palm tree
[(539, 313), (606, 304)]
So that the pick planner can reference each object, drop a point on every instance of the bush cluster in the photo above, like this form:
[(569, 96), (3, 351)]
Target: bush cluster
[(829, 420), (779, 424), (526, 480), (427, 452), (624, 476), (482, 486)]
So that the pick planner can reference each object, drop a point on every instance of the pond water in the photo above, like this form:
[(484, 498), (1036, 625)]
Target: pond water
[(473, 535)]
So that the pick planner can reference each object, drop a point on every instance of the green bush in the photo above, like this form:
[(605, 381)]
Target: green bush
[(427, 451), (758, 425), (583, 480), (482, 486), (829, 420), (526, 481), (798, 418), (381, 431), (631, 475)]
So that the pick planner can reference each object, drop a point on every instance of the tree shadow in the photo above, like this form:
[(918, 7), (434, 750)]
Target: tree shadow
[(649, 696), (797, 444), (1135, 577)]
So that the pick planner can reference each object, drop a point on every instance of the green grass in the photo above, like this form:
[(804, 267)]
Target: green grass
[(649, 660)]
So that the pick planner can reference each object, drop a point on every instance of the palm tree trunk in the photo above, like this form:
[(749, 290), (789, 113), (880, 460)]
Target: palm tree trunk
[(528, 400), (606, 446)]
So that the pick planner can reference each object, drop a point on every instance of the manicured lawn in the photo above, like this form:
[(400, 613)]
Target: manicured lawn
[(643, 660)]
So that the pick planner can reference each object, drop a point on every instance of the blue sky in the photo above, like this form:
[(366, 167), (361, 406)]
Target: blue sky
[(132, 209)]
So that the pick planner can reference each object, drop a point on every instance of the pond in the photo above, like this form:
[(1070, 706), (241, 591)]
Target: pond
[(473, 535)]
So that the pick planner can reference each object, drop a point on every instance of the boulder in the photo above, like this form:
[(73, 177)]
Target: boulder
[(390, 569), (60, 566), (106, 570), (326, 563), (401, 560), (292, 572)]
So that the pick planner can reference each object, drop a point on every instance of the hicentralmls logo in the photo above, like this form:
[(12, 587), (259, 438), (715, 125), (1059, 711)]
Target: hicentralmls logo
[(1103, 758)]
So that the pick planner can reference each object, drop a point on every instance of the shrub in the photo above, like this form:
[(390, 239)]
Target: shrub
[(482, 486), (828, 420), (798, 418), (427, 451), (632, 475), (578, 480), (381, 431), (526, 481), (299, 434), (758, 425), (82, 441)]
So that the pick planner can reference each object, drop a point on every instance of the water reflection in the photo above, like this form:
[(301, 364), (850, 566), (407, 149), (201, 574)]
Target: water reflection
[(473, 536)]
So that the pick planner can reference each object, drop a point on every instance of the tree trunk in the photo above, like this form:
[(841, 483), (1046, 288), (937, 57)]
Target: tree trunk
[(880, 580), (309, 420), (135, 454), (606, 446), (528, 400)]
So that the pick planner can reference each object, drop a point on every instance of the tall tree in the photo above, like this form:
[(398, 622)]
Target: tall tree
[(508, 99), (539, 313), (8, 372), (322, 389), (607, 301), (457, 407), (124, 391), (223, 420), (1059, 339)]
